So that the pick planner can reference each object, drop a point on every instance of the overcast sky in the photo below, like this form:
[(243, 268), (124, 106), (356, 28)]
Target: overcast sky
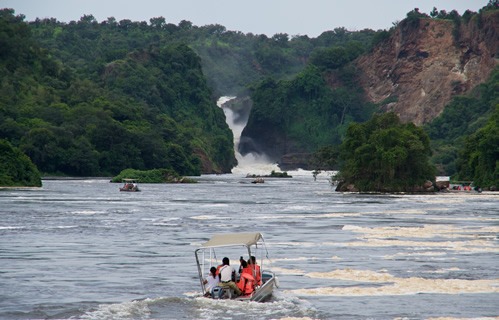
[(294, 17)]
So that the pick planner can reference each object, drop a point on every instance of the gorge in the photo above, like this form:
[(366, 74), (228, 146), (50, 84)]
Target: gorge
[(415, 71)]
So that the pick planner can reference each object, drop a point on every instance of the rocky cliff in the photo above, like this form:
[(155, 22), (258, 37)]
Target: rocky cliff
[(425, 62), (415, 71)]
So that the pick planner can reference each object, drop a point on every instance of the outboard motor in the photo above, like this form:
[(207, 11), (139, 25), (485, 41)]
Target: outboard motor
[(217, 292)]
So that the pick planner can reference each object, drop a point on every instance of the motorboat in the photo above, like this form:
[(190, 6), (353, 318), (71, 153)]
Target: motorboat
[(130, 185), (237, 246)]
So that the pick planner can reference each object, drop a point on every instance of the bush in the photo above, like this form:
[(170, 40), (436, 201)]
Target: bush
[(383, 154), (16, 168)]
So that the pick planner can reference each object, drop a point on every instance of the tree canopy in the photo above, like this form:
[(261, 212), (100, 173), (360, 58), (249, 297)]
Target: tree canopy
[(384, 154), (305, 112), (78, 107), (478, 160), (16, 169), (461, 118), (90, 98)]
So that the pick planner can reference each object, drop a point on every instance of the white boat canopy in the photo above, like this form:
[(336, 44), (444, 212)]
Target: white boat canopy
[(233, 239)]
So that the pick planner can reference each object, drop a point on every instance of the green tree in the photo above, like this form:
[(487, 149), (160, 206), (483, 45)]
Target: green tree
[(16, 169), (384, 154), (479, 158), (461, 118), (330, 58)]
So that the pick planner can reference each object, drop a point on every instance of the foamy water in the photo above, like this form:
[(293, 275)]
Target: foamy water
[(83, 250)]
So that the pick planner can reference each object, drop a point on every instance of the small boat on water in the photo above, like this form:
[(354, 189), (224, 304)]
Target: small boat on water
[(237, 245), (130, 185), (258, 180)]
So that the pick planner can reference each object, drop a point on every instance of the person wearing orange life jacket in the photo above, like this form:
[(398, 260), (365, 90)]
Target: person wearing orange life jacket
[(256, 267), (218, 269), (241, 264), (246, 281)]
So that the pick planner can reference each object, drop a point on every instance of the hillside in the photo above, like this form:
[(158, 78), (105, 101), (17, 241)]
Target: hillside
[(415, 70), (89, 98), (78, 105), (93, 98), (425, 62)]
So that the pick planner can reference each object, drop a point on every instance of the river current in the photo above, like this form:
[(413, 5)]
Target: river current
[(80, 249)]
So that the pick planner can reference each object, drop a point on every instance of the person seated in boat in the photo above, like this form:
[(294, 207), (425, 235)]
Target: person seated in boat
[(227, 276), (256, 267), (211, 281), (241, 261), (218, 269), (244, 267), (246, 281)]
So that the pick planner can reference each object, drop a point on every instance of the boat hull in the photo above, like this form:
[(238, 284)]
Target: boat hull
[(261, 294), (129, 190), (206, 260), (264, 293)]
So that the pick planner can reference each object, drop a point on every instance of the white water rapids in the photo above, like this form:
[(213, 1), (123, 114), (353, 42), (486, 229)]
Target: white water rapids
[(80, 249), (251, 163)]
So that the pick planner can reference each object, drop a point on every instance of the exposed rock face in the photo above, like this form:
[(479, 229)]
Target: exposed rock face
[(415, 73), (418, 70)]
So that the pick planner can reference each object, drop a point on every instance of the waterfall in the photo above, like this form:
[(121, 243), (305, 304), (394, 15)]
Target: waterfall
[(251, 163)]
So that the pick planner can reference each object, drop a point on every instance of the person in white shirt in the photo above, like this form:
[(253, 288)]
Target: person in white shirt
[(227, 275), (211, 281)]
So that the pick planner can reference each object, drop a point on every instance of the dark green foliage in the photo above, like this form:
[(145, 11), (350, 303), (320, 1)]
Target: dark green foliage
[(412, 19), (383, 154), (232, 60), (461, 118), (92, 98), (330, 58), (106, 98), (278, 174), (273, 174), (380, 37), (478, 160), (305, 111), (326, 158), (16, 169), (491, 5), (152, 176)]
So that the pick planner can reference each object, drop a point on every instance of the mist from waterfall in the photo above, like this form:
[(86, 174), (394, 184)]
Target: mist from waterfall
[(251, 163)]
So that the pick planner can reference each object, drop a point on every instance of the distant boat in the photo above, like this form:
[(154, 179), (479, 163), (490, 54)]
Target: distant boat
[(130, 185), (258, 180), (228, 244)]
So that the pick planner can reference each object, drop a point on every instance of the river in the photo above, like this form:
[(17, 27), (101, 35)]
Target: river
[(80, 249)]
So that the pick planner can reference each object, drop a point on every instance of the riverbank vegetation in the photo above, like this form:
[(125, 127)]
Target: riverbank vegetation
[(89, 98), (478, 160), (385, 155), (152, 176), (79, 105), (16, 169), (465, 136)]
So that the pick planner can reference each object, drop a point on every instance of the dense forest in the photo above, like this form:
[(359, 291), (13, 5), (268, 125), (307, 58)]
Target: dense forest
[(89, 98), (16, 168), (383, 154), (461, 120), (312, 111), (75, 113)]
